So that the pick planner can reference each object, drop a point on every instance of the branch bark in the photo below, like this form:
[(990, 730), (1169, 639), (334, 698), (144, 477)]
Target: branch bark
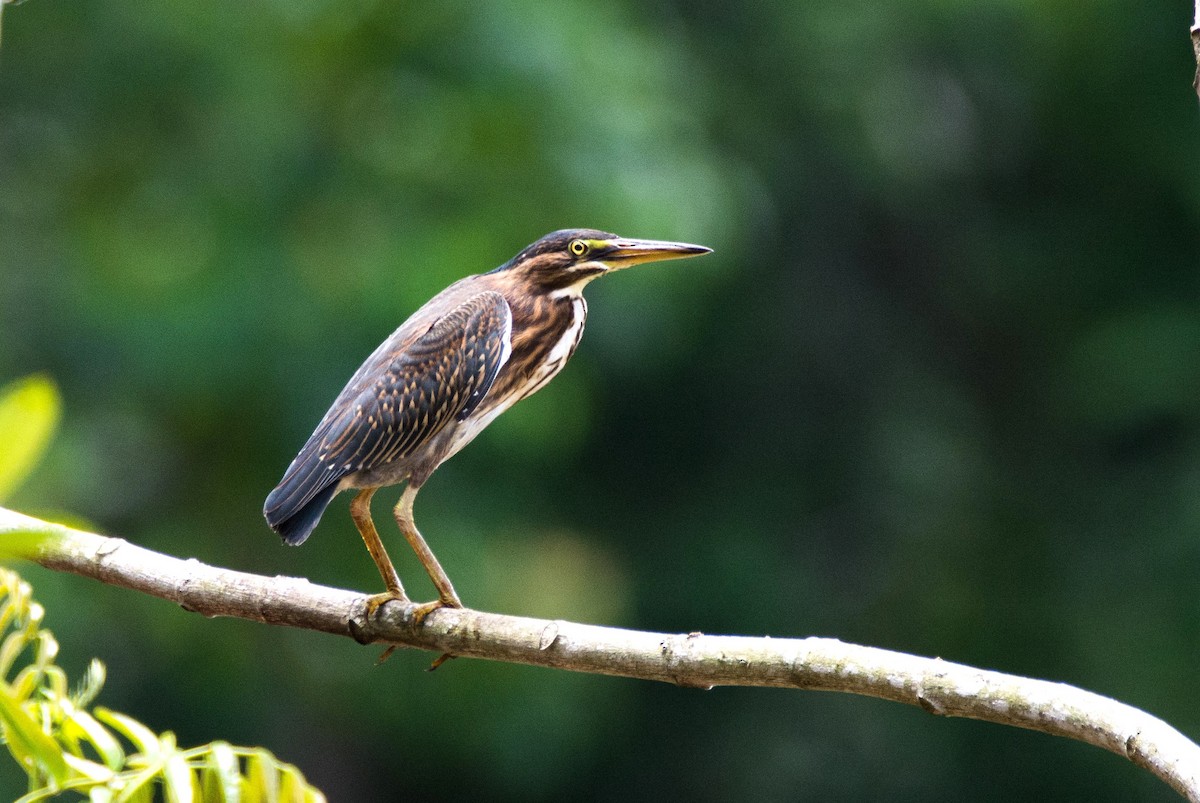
[(691, 659), (1196, 48)]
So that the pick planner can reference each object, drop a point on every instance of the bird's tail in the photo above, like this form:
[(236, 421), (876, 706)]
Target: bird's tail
[(296, 522)]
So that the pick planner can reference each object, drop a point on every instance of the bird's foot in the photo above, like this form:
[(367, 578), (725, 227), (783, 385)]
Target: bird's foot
[(374, 603), (377, 601), (420, 611), (429, 607), (426, 608)]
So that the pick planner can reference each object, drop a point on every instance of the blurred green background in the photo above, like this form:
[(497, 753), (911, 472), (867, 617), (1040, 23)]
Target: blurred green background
[(938, 389)]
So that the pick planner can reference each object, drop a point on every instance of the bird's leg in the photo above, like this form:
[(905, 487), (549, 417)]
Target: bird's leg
[(360, 511), (404, 518)]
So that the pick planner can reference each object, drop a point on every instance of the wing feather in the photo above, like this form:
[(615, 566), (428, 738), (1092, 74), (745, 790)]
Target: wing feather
[(439, 377)]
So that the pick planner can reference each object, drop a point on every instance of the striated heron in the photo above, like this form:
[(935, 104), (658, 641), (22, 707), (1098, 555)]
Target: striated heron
[(471, 352)]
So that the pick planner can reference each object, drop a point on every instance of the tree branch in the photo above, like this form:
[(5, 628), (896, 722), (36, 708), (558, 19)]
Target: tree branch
[(693, 659), (1196, 47)]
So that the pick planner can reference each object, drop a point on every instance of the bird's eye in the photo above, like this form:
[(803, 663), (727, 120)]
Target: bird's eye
[(579, 247)]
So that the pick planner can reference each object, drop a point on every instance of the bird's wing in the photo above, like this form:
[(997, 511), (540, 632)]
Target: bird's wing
[(440, 376)]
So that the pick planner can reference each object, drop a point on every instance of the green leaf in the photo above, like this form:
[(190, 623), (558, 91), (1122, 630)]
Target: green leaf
[(85, 725), (139, 786), (222, 776), (144, 739), (100, 794), (177, 778), (12, 646), (140, 794), (29, 413), (89, 688), (262, 782), (31, 677), (29, 742), (291, 785), (89, 770)]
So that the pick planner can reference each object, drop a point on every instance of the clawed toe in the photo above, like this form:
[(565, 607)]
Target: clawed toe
[(419, 612), (426, 608), (374, 603), (377, 601)]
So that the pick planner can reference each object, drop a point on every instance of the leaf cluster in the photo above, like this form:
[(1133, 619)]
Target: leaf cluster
[(53, 732), (65, 743)]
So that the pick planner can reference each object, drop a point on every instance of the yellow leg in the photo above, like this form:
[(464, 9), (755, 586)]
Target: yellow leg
[(404, 518), (360, 511)]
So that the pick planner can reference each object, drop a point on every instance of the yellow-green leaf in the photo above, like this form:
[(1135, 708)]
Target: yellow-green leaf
[(89, 688), (29, 412), (291, 785), (23, 734), (177, 779), (222, 776), (96, 773), (262, 782), (97, 735), (12, 646), (100, 794), (144, 739), (143, 794), (139, 786)]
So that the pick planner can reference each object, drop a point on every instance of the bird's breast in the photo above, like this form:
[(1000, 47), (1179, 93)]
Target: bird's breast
[(545, 334), (542, 348)]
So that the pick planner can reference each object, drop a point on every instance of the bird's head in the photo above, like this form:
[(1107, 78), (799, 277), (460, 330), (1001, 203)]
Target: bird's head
[(570, 258)]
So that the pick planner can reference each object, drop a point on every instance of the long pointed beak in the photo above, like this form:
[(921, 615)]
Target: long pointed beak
[(625, 252)]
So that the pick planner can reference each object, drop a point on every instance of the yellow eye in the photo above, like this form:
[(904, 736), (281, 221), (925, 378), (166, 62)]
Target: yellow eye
[(579, 247)]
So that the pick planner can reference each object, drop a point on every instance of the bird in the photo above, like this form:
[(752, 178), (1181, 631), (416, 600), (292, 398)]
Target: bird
[(468, 354)]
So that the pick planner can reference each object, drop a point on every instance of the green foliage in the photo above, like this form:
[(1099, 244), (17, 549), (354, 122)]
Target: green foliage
[(29, 413), (63, 743), (54, 733)]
